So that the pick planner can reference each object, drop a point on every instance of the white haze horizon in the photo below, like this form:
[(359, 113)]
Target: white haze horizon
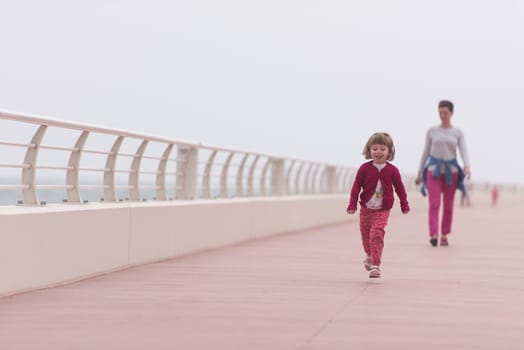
[(302, 79)]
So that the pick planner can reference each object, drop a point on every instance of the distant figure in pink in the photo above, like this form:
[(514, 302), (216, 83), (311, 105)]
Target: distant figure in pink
[(374, 182), (494, 195)]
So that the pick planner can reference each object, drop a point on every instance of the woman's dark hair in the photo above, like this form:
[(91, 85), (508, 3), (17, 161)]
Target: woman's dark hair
[(447, 104)]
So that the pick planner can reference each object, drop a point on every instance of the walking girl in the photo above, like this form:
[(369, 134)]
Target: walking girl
[(374, 184)]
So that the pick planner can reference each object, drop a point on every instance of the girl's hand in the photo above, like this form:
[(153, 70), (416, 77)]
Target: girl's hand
[(350, 212), (405, 211)]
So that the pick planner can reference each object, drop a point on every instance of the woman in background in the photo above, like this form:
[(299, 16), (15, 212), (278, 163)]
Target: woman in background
[(440, 173)]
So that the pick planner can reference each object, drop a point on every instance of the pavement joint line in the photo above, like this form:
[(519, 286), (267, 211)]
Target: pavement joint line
[(332, 318)]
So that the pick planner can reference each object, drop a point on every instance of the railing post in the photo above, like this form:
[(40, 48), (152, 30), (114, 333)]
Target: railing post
[(206, 179), (314, 189), (187, 172), (297, 179), (109, 172), (278, 178), (134, 176), (307, 180), (288, 177), (331, 179), (161, 174), (29, 195), (73, 174), (341, 186), (240, 177), (223, 176), (263, 176), (347, 179), (251, 176)]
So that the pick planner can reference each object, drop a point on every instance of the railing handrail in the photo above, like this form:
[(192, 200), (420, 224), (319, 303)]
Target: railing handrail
[(34, 119), (40, 120), (223, 175)]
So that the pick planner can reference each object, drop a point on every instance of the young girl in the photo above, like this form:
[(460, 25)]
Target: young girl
[(375, 181)]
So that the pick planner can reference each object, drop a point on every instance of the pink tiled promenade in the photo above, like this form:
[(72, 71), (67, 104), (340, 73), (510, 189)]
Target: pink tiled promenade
[(303, 290)]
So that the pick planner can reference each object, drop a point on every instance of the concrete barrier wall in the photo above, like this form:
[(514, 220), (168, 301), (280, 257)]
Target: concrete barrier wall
[(45, 246), (51, 246)]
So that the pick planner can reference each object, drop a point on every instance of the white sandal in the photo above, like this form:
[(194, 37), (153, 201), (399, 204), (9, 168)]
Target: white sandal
[(374, 272), (367, 263)]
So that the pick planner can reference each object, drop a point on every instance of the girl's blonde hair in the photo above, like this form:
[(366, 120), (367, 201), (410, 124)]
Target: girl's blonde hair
[(379, 138)]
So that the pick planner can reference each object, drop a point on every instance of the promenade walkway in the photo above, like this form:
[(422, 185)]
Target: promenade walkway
[(303, 290)]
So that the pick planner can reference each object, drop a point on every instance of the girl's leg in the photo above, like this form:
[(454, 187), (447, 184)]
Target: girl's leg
[(365, 227), (448, 191), (378, 225), (434, 193)]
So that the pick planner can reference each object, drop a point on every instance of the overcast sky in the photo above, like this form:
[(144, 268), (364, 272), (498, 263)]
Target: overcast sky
[(305, 79)]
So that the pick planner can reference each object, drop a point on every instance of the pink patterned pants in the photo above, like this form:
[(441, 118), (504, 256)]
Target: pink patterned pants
[(439, 190), (372, 231)]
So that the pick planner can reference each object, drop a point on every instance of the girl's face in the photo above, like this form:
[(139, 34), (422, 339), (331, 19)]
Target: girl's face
[(379, 153)]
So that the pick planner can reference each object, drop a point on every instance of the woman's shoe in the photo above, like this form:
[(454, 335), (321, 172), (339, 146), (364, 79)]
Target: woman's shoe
[(433, 240), (444, 241)]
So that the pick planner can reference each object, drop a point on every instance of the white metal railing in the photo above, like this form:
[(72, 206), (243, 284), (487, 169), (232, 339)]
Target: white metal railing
[(176, 169), (136, 167)]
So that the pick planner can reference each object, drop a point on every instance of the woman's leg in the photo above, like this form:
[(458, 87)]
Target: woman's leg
[(448, 191), (434, 193)]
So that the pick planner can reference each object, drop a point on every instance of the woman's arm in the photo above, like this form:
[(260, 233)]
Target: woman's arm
[(424, 157), (464, 154)]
